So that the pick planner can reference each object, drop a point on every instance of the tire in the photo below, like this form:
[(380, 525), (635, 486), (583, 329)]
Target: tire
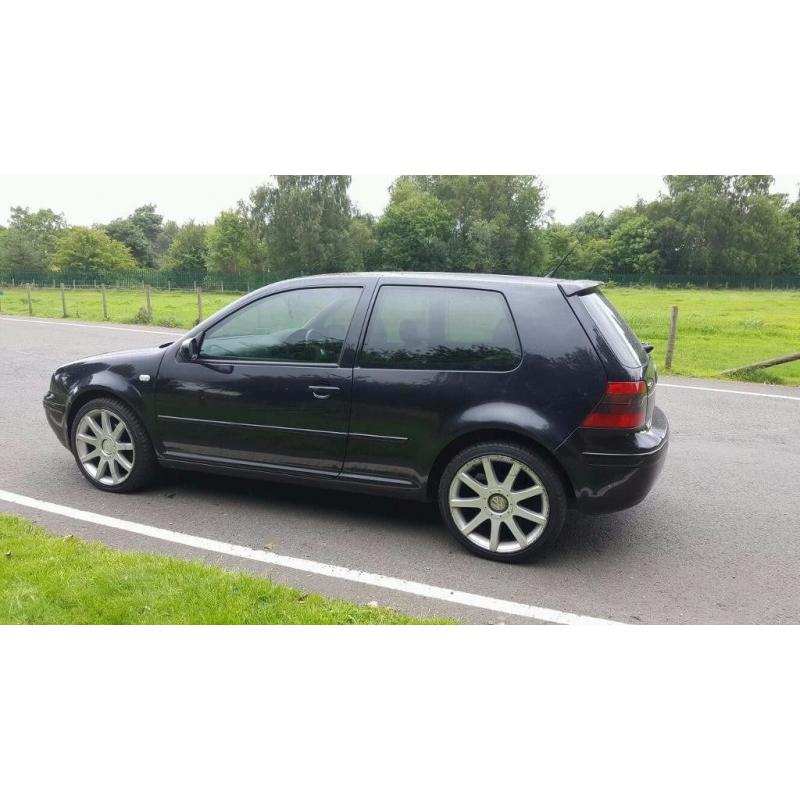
[(520, 519), (95, 436)]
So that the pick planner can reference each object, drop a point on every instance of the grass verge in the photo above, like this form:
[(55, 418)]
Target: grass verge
[(47, 579), (718, 329)]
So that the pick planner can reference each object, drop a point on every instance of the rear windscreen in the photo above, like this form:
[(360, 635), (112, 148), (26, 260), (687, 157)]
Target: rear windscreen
[(622, 340)]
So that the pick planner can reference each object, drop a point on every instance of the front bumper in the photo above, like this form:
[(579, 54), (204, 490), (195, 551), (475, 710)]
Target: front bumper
[(55, 412), (610, 473)]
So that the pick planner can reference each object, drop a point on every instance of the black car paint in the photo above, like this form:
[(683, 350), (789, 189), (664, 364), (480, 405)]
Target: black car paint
[(387, 431)]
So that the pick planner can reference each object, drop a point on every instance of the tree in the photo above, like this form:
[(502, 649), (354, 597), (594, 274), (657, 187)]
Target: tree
[(498, 220), (631, 245), (230, 243), (169, 231), (723, 224), (365, 251), (303, 223), (139, 232), (188, 251), (416, 230), (31, 239), (91, 250)]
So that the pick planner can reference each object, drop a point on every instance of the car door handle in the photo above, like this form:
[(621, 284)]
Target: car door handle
[(323, 392)]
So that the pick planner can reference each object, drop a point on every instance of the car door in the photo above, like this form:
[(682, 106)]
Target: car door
[(269, 387), (430, 354)]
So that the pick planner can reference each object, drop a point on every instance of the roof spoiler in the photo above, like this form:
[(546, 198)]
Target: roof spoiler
[(579, 287)]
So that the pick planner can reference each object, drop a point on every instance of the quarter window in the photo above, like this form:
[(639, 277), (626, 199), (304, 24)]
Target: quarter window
[(437, 328), (305, 325)]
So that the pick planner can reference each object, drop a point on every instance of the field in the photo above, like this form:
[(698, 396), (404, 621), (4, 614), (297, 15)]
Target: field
[(51, 580), (717, 329), (170, 309)]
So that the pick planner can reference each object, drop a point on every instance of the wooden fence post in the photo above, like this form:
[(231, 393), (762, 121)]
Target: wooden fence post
[(105, 304), (30, 302), (199, 303), (673, 330), (149, 304), (63, 301)]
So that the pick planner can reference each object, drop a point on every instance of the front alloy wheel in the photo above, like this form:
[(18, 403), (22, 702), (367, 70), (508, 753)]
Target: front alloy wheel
[(112, 447), (105, 447)]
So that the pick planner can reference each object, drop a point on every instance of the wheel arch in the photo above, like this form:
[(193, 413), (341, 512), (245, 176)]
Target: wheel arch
[(95, 393), (493, 434)]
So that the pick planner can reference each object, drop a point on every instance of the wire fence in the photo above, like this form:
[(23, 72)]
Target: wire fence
[(246, 281)]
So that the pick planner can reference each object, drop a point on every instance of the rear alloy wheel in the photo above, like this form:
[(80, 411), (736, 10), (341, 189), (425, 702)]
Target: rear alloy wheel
[(502, 501), (111, 446)]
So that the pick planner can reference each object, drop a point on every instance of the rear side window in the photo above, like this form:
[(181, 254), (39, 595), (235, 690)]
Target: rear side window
[(437, 328), (621, 339)]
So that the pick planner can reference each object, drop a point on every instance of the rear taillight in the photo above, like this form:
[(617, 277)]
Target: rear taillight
[(623, 407)]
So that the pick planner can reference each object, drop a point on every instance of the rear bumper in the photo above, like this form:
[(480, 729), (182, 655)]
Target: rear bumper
[(615, 472), (55, 413)]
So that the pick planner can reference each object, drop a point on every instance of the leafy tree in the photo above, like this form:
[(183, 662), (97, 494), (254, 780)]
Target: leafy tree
[(704, 224), (230, 244), (365, 250), (497, 220), (139, 232), (188, 251), (723, 224), (561, 242), (416, 230), (31, 239), (631, 245), (169, 231), (303, 223), (91, 250)]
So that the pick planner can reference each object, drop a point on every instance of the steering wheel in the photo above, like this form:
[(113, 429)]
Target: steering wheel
[(312, 334)]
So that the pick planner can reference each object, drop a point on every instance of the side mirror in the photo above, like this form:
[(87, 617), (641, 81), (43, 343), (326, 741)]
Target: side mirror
[(189, 349)]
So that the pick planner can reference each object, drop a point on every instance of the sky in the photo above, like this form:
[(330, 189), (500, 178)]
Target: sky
[(86, 200)]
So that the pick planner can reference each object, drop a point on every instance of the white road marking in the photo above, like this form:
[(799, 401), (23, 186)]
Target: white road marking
[(314, 567), (729, 391), (156, 332)]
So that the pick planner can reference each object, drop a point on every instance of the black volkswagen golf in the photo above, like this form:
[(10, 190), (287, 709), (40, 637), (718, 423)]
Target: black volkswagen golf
[(505, 399)]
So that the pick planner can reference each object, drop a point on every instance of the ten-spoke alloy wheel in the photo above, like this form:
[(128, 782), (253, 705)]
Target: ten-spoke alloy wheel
[(111, 446), (502, 501), (104, 446)]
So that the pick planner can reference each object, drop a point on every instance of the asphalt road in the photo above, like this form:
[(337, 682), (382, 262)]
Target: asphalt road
[(717, 541)]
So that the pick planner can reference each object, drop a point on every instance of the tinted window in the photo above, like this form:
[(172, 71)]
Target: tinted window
[(308, 325), (621, 339), (421, 327)]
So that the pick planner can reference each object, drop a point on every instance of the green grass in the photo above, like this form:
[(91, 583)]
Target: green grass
[(170, 309), (45, 579), (717, 329)]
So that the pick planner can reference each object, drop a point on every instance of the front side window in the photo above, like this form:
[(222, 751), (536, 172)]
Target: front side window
[(305, 325), (437, 328)]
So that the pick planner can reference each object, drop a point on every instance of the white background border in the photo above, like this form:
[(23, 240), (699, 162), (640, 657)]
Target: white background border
[(209, 88)]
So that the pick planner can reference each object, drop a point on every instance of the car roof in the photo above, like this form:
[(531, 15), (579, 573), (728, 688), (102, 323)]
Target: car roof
[(570, 287)]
